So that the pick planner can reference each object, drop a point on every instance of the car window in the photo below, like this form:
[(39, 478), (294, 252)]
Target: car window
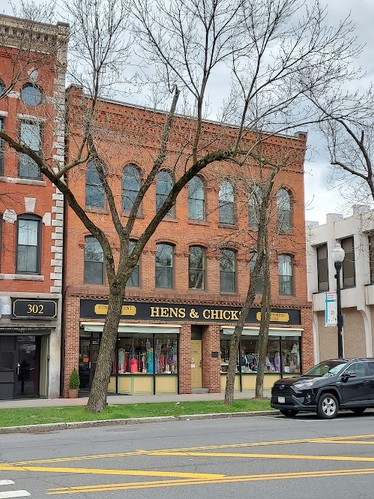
[(329, 368), (357, 368), (370, 368)]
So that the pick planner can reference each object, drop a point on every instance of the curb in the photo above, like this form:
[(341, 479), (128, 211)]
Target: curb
[(44, 428)]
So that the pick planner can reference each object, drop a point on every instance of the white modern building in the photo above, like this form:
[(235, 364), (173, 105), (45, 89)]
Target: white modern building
[(356, 236)]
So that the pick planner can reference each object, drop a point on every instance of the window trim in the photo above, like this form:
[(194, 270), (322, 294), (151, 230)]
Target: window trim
[(21, 156), (91, 170), (161, 196), (85, 281), (323, 285), (38, 246), (194, 200), (349, 263), (196, 270), (290, 280), (34, 86), (223, 272), (227, 200), (132, 198), (165, 267), (284, 222)]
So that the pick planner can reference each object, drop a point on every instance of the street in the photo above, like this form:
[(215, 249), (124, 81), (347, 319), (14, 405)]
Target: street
[(259, 457)]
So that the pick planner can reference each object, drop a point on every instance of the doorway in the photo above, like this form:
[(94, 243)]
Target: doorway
[(19, 366), (196, 364), (88, 352)]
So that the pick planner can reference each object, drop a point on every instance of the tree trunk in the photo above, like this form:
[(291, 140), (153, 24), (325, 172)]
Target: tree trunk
[(97, 400)]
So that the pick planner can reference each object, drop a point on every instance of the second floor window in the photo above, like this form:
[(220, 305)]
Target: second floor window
[(28, 245), (134, 280), (322, 268), (130, 187), (196, 199), (284, 215), (1, 144), (196, 268), (93, 261), (31, 136), (228, 271), (164, 265), (285, 276), (371, 257), (95, 197), (163, 187), (348, 267), (226, 204)]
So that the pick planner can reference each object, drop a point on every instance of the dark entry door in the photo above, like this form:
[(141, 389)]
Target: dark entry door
[(7, 366), (88, 353), (28, 361)]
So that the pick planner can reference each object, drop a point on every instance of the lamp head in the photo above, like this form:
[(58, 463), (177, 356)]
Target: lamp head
[(337, 254)]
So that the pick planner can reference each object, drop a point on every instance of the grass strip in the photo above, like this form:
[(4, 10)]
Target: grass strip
[(43, 415)]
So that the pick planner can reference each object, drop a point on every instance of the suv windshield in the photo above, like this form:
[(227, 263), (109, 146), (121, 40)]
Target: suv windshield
[(327, 368)]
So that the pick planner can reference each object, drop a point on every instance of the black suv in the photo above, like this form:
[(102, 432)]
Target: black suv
[(327, 387)]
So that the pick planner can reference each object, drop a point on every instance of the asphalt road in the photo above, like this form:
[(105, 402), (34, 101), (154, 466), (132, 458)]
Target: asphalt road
[(245, 457)]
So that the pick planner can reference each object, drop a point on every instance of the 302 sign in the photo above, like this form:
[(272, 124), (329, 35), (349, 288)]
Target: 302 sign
[(23, 308)]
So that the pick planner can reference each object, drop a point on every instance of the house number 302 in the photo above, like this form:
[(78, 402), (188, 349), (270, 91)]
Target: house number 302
[(35, 309)]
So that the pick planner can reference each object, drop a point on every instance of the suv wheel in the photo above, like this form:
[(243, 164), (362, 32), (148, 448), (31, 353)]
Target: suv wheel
[(289, 413), (327, 406)]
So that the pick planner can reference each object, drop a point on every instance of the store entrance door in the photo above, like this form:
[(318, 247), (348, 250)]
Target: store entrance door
[(19, 366), (88, 353), (196, 364)]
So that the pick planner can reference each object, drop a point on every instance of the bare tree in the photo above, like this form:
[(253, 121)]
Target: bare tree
[(268, 52)]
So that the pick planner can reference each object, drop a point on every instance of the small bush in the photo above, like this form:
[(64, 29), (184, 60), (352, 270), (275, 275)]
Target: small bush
[(74, 380)]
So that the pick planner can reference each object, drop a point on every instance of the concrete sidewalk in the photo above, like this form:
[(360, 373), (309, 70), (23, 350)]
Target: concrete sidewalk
[(124, 399)]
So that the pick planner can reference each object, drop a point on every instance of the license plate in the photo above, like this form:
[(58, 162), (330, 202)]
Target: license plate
[(281, 400)]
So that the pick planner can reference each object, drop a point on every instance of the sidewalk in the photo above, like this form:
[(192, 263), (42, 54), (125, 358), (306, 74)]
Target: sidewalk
[(125, 399)]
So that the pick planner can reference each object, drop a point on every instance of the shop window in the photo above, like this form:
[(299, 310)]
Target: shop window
[(291, 355), (31, 136), (228, 271), (254, 205), (196, 199), (163, 187), (285, 271), (93, 262), (28, 245), (147, 354), (164, 266), (284, 215), (1, 145), (95, 197), (196, 267), (226, 204), (260, 277), (371, 257), (349, 273), (322, 268), (130, 187), (134, 280), (31, 95)]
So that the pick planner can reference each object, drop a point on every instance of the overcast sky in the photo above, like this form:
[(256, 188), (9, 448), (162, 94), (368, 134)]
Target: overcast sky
[(320, 195)]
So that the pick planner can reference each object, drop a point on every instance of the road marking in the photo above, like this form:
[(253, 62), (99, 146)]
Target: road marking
[(226, 479), (14, 493)]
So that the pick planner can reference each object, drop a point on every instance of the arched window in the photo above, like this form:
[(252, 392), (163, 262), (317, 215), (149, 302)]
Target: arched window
[(284, 215), (130, 187), (31, 95), (196, 199), (30, 135), (163, 187), (28, 244), (254, 205), (93, 261), (285, 275), (228, 271), (134, 280), (226, 204), (95, 197), (164, 266), (196, 268)]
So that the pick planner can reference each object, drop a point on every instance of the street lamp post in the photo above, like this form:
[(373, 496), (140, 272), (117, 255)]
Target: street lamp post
[(338, 255)]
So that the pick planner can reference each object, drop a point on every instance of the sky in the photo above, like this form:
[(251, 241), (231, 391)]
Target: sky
[(321, 195)]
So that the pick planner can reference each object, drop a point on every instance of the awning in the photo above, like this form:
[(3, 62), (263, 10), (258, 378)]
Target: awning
[(134, 328), (251, 331)]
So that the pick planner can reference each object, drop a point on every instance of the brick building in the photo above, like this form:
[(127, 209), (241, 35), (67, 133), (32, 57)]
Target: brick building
[(183, 298), (32, 96)]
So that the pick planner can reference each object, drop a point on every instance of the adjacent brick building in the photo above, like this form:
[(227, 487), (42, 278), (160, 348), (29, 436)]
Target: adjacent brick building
[(183, 299), (32, 97)]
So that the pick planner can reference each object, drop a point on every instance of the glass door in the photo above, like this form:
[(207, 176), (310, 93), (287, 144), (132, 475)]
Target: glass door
[(88, 353), (7, 366), (27, 368)]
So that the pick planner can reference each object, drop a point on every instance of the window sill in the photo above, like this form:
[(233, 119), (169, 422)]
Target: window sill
[(22, 277), (227, 226), (198, 222), (24, 181)]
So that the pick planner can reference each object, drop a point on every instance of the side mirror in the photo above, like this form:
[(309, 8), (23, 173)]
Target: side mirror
[(348, 375)]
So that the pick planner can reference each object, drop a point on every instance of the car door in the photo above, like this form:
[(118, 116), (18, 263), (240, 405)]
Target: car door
[(370, 371), (355, 389)]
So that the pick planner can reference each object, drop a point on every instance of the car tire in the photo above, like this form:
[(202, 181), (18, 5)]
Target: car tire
[(358, 410), (289, 413), (328, 406)]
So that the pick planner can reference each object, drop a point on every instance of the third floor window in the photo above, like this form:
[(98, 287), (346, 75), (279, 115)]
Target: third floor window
[(196, 199), (95, 197)]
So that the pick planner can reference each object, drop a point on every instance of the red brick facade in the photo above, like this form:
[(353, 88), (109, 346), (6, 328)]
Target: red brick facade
[(131, 135)]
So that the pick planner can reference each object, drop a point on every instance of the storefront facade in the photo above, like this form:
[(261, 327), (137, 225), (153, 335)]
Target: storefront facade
[(181, 348)]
